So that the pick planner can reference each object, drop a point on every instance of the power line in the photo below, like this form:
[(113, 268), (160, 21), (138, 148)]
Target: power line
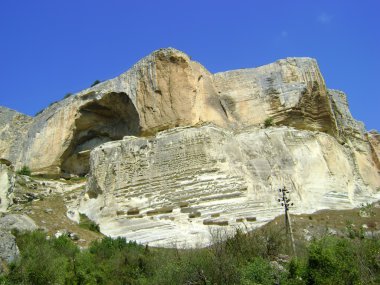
[(286, 203)]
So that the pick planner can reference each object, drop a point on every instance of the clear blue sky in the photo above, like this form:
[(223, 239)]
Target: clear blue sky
[(49, 48)]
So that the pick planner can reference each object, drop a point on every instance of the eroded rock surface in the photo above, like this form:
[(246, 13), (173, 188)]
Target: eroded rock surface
[(291, 91), (17, 222), (173, 149), (374, 140), (171, 188), (8, 247), (164, 90), (7, 181), (13, 126)]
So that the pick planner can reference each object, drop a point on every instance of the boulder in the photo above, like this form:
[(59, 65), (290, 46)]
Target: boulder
[(8, 247), (17, 222)]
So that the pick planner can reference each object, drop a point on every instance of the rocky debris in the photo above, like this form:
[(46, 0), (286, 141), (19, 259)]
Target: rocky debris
[(8, 247), (60, 233), (27, 190), (277, 266), (74, 236), (210, 170), (48, 210), (73, 215), (17, 222), (64, 232)]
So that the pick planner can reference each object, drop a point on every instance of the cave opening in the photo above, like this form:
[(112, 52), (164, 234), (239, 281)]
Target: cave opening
[(108, 119)]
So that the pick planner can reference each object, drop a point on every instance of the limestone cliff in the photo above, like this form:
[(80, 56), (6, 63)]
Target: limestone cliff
[(13, 126), (171, 149), (164, 90), (171, 188), (291, 91)]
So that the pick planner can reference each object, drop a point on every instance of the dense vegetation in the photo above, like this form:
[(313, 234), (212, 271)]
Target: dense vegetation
[(256, 258)]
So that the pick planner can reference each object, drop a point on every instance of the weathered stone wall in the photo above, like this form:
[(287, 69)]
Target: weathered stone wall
[(290, 91), (347, 126), (164, 90), (374, 141), (170, 188), (13, 127)]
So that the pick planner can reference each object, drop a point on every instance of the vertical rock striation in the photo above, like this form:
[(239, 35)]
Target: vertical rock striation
[(291, 91)]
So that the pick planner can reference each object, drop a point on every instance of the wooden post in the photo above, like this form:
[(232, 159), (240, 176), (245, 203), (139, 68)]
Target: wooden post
[(285, 202)]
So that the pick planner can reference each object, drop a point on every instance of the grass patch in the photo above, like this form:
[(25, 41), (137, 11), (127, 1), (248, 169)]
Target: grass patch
[(88, 224)]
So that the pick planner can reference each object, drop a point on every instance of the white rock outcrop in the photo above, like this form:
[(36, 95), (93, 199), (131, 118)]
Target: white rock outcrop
[(170, 189), (7, 180), (172, 150), (166, 89)]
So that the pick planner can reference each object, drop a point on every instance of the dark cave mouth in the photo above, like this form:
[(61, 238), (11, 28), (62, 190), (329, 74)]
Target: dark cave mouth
[(108, 119)]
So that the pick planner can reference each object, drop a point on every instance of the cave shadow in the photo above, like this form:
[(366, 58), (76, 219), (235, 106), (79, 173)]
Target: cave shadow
[(107, 119)]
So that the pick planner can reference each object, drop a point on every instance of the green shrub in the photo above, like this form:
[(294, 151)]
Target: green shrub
[(40, 262), (68, 95), (268, 122), (332, 261), (86, 223), (96, 82), (258, 271), (25, 170), (120, 261), (39, 112), (295, 274), (239, 259)]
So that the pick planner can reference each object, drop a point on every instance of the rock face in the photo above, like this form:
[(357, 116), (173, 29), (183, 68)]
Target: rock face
[(374, 141), (17, 222), (172, 149), (163, 90), (171, 188), (291, 91), (7, 179), (8, 247), (13, 126)]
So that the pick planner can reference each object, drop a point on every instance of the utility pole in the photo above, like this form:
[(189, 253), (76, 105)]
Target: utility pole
[(285, 202)]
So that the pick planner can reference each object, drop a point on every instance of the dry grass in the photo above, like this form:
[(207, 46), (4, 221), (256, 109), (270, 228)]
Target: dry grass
[(50, 215), (331, 221)]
